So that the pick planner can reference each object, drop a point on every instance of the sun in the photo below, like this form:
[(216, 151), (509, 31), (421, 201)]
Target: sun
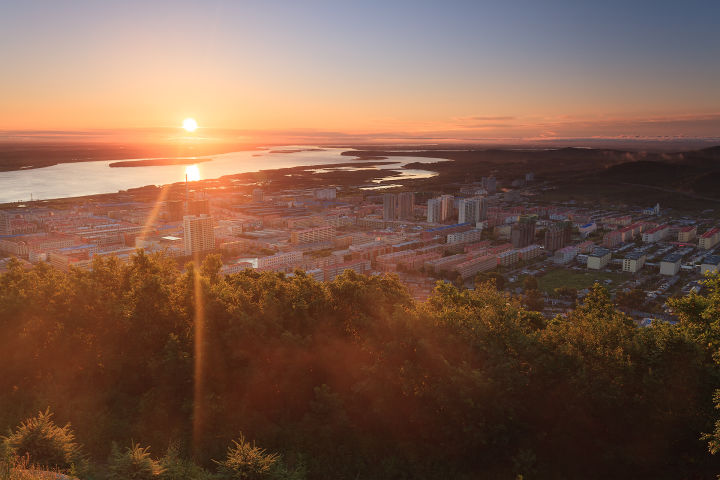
[(190, 124), (193, 173)]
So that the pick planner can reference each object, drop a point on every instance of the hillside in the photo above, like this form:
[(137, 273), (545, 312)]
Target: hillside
[(349, 379)]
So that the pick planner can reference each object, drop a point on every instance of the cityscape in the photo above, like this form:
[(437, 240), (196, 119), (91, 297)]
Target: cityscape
[(333, 240), (485, 229)]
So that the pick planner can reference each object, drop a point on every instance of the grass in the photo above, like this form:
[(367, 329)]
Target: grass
[(578, 279), (18, 474)]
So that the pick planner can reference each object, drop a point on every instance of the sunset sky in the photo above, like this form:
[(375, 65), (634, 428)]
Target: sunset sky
[(450, 70)]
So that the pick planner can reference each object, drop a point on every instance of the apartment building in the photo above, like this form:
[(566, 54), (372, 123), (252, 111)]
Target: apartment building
[(198, 233), (634, 261), (709, 239), (598, 259), (313, 235)]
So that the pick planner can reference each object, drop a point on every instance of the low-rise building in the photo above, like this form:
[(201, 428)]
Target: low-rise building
[(670, 265), (587, 228), (598, 259), (710, 264), (612, 239), (687, 234), (358, 266), (313, 235), (530, 252), (447, 263), (586, 246), (656, 234), (709, 239), (634, 261), (629, 232), (565, 255), (476, 265), (279, 260), (464, 237), (509, 257), (235, 268)]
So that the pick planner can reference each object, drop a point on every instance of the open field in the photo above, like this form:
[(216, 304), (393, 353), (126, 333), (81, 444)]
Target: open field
[(578, 279)]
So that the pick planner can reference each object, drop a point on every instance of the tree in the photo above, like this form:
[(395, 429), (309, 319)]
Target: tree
[(246, 461), (530, 283), (494, 277), (176, 467), (46, 444), (700, 318), (211, 266), (633, 299), (534, 300), (133, 463), (566, 292)]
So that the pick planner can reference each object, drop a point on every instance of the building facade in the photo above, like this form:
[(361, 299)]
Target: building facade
[(557, 236), (199, 234), (522, 233), (709, 239), (598, 259)]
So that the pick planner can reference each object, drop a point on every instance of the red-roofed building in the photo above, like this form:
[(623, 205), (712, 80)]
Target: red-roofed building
[(709, 239)]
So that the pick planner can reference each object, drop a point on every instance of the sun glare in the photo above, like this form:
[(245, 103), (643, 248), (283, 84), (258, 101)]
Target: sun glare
[(190, 124), (193, 173)]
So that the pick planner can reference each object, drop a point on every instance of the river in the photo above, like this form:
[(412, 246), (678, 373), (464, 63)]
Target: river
[(89, 178)]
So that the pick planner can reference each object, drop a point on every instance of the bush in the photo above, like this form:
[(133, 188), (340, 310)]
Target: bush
[(174, 467), (45, 444), (246, 461), (134, 463)]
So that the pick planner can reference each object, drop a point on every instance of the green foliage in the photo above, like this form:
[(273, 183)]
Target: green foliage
[(494, 277), (45, 444), (351, 378), (246, 461), (530, 283), (133, 463), (633, 299), (566, 292), (700, 319), (173, 466), (534, 300)]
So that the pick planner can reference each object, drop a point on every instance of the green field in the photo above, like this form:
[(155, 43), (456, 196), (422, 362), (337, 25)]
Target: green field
[(578, 279)]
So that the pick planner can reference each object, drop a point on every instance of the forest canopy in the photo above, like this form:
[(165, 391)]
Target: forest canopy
[(175, 372)]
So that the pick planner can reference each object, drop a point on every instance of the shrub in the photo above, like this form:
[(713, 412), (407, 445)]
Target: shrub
[(134, 463), (45, 444), (174, 467), (246, 461)]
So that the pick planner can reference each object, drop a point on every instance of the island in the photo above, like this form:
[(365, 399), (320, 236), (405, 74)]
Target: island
[(154, 162)]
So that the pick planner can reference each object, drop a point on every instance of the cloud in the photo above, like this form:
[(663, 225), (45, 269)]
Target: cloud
[(481, 118), (595, 129)]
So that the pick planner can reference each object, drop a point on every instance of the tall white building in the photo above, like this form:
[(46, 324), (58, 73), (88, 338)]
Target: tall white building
[(447, 206), (472, 210), (434, 210), (199, 234)]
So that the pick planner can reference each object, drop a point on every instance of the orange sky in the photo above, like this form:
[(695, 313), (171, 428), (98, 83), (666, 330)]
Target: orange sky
[(420, 71)]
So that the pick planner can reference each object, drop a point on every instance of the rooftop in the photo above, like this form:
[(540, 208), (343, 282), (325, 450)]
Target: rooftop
[(710, 232), (711, 260), (672, 258)]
